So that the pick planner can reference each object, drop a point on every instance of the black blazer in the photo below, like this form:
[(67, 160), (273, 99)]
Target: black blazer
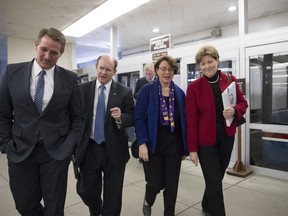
[(139, 84), (60, 122), (116, 139)]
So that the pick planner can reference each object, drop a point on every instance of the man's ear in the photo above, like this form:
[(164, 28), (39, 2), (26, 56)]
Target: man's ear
[(36, 44)]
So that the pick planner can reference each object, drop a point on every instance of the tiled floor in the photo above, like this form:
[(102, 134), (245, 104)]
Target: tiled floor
[(252, 196)]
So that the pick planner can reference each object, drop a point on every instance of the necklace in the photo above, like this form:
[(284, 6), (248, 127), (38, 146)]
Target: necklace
[(212, 82)]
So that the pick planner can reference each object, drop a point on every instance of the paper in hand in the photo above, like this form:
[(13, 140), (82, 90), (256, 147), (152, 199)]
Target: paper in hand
[(229, 98)]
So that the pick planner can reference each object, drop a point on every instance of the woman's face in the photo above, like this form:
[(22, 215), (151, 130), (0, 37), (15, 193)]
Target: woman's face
[(165, 73), (208, 66)]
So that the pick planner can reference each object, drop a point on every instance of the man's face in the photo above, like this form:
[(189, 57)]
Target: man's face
[(48, 52), (149, 73), (105, 69)]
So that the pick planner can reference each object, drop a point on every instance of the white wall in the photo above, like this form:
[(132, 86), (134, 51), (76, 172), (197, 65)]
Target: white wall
[(21, 50)]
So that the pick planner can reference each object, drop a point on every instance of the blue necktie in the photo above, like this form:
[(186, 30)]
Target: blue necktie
[(38, 100), (100, 115)]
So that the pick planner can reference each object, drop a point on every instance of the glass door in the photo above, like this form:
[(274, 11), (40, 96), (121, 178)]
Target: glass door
[(267, 68)]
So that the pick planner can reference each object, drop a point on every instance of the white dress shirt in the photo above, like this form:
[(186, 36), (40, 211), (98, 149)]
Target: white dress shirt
[(49, 83), (97, 93)]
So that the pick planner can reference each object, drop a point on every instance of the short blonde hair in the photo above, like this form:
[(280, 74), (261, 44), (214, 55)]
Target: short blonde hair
[(206, 50)]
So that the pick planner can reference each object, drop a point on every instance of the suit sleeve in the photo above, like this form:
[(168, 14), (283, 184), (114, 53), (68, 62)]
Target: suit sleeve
[(127, 117), (192, 119), (137, 88), (140, 116), (75, 109), (6, 113)]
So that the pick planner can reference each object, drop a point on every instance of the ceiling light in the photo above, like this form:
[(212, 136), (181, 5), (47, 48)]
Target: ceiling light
[(101, 15), (232, 8), (155, 30)]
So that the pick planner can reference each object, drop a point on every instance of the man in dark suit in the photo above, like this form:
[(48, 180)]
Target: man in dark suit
[(149, 77), (39, 141), (109, 155)]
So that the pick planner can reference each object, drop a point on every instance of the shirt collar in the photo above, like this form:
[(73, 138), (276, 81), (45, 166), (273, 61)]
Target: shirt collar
[(107, 85), (37, 69), (153, 78)]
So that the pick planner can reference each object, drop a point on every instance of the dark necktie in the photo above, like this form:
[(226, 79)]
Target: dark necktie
[(38, 100), (100, 114)]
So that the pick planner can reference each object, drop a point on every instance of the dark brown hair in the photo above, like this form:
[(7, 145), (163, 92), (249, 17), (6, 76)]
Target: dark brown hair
[(171, 61)]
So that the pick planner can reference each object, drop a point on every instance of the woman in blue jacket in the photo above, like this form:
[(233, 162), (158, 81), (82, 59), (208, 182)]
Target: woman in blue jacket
[(161, 135)]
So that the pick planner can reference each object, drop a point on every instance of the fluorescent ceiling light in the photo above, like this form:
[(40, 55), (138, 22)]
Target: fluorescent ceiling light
[(155, 30), (232, 8), (101, 15)]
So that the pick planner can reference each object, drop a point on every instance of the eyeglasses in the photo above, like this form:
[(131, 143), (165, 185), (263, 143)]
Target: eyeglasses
[(163, 69)]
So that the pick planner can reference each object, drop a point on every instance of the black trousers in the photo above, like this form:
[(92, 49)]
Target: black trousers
[(214, 161), (89, 184), (39, 176), (162, 172)]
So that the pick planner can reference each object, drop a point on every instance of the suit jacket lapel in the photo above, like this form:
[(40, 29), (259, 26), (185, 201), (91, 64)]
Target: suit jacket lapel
[(91, 98), (114, 90), (155, 92), (58, 83), (27, 70), (26, 79)]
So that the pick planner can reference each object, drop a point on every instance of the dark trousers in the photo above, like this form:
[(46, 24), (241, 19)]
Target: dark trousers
[(39, 176), (214, 161), (162, 172), (89, 185)]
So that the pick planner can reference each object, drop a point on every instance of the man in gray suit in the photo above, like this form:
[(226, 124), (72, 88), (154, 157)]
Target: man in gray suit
[(39, 126), (110, 154)]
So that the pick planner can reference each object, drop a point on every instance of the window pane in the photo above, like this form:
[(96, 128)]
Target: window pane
[(269, 150), (269, 89)]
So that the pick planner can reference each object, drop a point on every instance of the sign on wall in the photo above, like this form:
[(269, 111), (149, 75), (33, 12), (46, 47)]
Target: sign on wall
[(160, 43), (156, 56)]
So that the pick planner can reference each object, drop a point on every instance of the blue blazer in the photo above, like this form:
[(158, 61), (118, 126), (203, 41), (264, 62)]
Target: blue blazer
[(146, 115)]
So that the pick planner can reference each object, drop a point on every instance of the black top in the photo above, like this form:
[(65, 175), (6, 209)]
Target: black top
[(217, 97), (168, 142)]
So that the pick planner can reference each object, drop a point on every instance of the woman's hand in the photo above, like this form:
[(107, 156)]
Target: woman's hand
[(143, 152), (194, 158), (228, 113)]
